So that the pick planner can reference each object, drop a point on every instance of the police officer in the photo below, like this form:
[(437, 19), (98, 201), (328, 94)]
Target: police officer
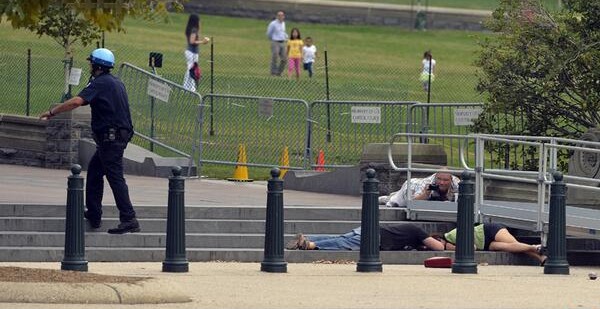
[(112, 129)]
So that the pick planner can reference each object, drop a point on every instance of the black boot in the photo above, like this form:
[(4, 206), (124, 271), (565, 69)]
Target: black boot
[(130, 226)]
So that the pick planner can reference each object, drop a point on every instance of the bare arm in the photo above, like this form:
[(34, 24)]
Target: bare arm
[(66, 106), (195, 41), (433, 244)]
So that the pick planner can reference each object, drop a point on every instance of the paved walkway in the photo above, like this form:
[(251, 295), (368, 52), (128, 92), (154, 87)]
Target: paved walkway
[(387, 6), (243, 285), (32, 185)]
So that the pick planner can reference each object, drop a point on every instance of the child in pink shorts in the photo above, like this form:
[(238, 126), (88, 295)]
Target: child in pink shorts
[(294, 52)]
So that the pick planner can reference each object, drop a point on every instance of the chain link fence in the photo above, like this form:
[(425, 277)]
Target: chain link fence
[(32, 71), (165, 114), (234, 81), (342, 128), (263, 126)]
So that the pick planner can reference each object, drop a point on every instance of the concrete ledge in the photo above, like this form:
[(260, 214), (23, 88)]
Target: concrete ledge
[(344, 180), (138, 161)]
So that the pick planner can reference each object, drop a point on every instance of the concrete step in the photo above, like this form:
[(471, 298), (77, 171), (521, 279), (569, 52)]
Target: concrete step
[(136, 240), (157, 225), (108, 254), (212, 212)]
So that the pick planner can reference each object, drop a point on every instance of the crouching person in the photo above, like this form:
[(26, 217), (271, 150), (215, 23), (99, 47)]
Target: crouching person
[(441, 186)]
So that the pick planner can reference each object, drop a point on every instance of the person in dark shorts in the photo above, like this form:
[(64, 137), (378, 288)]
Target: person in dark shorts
[(496, 237), (393, 237)]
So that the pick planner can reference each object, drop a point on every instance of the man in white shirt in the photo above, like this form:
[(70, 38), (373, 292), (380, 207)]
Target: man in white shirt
[(276, 33)]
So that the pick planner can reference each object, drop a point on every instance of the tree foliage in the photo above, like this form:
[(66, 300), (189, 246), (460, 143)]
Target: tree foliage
[(66, 26), (107, 15), (542, 66), (79, 20)]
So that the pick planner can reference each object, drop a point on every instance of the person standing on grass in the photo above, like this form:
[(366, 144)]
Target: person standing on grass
[(294, 52), (277, 36), (192, 34), (309, 53), (112, 129), (428, 70)]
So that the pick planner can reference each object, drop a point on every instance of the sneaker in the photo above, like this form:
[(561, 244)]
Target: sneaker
[(130, 226), (293, 244), (94, 223)]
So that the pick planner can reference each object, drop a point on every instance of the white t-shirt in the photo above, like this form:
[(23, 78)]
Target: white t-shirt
[(308, 53), (426, 66)]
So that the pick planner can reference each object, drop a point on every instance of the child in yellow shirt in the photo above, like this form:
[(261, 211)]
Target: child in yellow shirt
[(294, 52)]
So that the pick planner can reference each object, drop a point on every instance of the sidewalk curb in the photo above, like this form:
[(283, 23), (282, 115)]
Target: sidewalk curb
[(149, 291)]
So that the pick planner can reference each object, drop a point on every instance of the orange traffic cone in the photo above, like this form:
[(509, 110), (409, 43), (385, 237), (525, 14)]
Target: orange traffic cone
[(320, 161), (285, 161), (241, 171)]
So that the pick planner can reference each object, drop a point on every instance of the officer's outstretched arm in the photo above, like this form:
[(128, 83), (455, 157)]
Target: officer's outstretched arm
[(66, 106)]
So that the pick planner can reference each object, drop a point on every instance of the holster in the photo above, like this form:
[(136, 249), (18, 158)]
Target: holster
[(113, 135)]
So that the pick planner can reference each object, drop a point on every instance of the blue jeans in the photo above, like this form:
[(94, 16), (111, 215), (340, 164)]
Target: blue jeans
[(308, 67), (348, 241)]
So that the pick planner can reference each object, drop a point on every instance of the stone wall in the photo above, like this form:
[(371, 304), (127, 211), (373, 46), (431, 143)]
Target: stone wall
[(328, 12), (53, 143), (22, 140)]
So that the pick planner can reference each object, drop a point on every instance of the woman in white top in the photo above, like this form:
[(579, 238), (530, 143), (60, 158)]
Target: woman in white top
[(192, 33), (427, 74)]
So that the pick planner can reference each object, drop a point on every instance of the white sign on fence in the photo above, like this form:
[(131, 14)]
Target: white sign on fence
[(265, 107), (466, 116), (75, 76), (158, 90), (364, 114)]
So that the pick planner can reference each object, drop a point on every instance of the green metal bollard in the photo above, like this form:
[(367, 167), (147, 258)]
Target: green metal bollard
[(273, 260), (464, 257), (369, 238), (74, 255), (175, 255), (557, 263)]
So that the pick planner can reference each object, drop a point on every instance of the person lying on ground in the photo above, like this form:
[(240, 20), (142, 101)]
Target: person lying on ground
[(440, 186), (393, 237), (496, 237), (407, 236)]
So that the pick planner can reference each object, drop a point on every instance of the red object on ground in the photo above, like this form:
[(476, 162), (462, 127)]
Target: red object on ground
[(438, 262)]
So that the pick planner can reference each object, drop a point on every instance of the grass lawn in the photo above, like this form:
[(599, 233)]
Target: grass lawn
[(365, 63)]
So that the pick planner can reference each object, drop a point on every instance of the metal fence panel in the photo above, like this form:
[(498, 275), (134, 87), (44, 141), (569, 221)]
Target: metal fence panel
[(342, 128), (264, 126), (445, 118), (168, 118)]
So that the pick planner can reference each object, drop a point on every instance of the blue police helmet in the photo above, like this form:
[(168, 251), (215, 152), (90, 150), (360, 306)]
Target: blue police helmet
[(103, 57)]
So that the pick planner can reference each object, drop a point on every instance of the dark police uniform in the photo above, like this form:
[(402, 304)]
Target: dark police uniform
[(112, 129)]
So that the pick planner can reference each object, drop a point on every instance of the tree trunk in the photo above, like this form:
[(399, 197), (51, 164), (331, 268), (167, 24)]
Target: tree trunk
[(67, 69)]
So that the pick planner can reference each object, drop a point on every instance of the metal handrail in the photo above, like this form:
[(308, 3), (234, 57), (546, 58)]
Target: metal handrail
[(547, 158)]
